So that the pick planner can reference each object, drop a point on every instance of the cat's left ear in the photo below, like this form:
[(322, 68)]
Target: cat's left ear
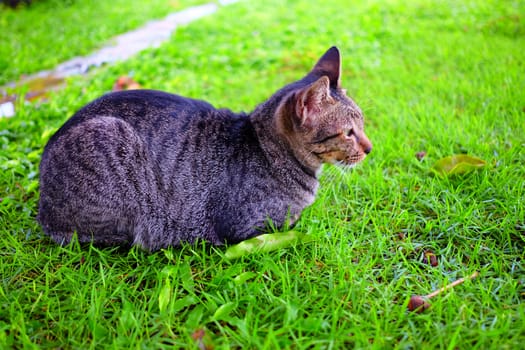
[(330, 65)]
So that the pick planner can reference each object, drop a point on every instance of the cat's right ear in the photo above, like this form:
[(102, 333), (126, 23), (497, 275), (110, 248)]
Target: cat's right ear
[(310, 101)]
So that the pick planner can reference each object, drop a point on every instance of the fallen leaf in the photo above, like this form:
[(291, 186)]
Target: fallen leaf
[(36, 95), (198, 334), (44, 83), (165, 295), (421, 155), (38, 88), (125, 83), (202, 339), (243, 277), (457, 164), (418, 304), (430, 258), (223, 312), (7, 98), (266, 243)]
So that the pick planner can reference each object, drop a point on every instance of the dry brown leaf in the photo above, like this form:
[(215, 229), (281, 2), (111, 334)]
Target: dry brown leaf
[(125, 83)]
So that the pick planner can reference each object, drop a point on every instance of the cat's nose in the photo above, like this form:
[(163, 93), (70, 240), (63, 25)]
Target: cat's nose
[(365, 143)]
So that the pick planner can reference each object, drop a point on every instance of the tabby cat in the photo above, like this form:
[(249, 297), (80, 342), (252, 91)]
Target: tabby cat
[(155, 169)]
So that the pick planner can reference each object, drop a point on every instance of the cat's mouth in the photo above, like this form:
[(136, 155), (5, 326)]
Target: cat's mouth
[(340, 158)]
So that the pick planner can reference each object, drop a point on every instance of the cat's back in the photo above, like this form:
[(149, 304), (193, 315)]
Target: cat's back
[(134, 103), (144, 110)]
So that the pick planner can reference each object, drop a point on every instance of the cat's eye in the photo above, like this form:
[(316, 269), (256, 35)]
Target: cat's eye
[(325, 139), (349, 132)]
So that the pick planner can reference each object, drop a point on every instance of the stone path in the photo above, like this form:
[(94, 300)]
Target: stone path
[(122, 47)]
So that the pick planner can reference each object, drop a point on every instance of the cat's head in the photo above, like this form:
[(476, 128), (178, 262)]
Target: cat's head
[(323, 124)]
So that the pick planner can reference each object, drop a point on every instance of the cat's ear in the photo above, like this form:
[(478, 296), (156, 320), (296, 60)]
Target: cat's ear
[(310, 101), (330, 65)]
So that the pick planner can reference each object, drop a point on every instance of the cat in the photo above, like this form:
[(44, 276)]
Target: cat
[(149, 168)]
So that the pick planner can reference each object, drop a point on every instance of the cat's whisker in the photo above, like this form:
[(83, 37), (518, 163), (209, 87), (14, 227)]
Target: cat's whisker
[(332, 173)]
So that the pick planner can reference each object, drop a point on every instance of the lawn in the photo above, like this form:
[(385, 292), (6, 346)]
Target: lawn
[(440, 77), (49, 32)]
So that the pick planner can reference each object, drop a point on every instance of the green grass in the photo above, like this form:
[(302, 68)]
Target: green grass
[(49, 32), (441, 77)]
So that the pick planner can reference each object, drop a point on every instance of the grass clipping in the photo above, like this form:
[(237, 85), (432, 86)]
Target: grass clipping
[(266, 243), (457, 164)]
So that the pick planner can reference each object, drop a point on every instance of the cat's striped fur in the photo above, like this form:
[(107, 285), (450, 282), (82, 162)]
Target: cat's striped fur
[(156, 169)]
